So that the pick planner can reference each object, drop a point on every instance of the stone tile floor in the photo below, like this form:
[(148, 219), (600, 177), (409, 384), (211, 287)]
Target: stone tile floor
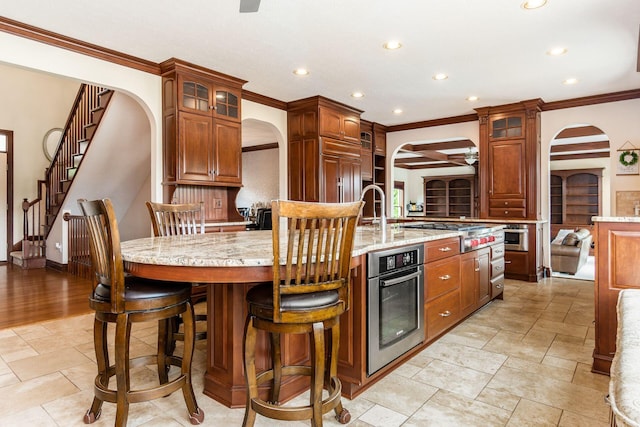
[(524, 361)]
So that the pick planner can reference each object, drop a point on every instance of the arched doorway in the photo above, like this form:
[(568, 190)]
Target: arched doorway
[(416, 162), (260, 165), (578, 190)]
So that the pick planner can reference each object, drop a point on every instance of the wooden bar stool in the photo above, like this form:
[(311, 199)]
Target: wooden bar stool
[(174, 220), (124, 301), (309, 299)]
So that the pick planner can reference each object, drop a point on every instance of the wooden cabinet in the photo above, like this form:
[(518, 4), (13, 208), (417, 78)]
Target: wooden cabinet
[(510, 160), (366, 152), (339, 123), (450, 196), (341, 165), (201, 129), (526, 265), (575, 196), (617, 252), (324, 151), (474, 280)]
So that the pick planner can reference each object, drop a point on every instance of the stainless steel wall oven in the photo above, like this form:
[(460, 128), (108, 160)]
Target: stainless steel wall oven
[(516, 237), (395, 301)]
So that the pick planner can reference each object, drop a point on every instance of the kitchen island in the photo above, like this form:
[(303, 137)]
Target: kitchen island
[(234, 262)]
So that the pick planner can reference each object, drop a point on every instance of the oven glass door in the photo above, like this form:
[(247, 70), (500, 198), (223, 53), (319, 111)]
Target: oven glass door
[(398, 301)]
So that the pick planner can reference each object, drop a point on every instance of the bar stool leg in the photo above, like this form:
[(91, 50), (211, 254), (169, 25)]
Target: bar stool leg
[(123, 332), (276, 355), (317, 379), (250, 371)]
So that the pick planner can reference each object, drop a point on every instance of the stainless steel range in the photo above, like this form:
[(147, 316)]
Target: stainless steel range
[(474, 235)]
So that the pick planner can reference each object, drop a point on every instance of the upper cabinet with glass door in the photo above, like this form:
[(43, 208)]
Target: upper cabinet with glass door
[(506, 126), (203, 96)]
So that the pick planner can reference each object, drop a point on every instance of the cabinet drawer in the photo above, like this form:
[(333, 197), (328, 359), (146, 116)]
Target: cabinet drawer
[(506, 203), (497, 251), (441, 277), (516, 262), (507, 213), (441, 249), (442, 313), (497, 286), (497, 267), (340, 148)]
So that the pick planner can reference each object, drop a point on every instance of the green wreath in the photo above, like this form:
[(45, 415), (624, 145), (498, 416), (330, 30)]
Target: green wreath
[(623, 158)]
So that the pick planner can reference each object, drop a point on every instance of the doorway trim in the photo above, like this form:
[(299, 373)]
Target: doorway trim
[(9, 242)]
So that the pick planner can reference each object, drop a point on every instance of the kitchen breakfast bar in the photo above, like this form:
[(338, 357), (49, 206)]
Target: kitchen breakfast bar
[(231, 263)]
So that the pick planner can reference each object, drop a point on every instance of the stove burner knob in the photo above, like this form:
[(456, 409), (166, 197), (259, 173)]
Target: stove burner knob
[(474, 243), (492, 238)]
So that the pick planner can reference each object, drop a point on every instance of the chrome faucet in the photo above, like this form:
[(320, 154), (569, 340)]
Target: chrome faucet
[(383, 217)]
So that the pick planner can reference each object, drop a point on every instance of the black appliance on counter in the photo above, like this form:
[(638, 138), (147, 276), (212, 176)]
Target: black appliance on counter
[(395, 304), (474, 235)]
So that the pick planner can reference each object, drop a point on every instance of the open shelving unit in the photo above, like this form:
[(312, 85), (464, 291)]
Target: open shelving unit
[(450, 196), (576, 196)]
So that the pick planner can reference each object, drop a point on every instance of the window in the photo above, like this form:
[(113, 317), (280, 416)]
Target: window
[(397, 206)]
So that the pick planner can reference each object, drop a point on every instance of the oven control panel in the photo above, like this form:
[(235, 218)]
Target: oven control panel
[(382, 262)]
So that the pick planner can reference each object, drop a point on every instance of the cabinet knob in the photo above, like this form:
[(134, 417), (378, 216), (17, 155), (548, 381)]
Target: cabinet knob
[(506, 203), (506, 212), (476, 269), (445, 277), (445, 314), (212, 107)]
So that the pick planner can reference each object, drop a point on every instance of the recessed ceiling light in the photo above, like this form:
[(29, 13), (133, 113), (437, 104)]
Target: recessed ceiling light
[(557, 51), (301, 72), (533, 4), (397, 111), (570, 81), (472, 98), (392, 44), (357, 94), (440, 76)]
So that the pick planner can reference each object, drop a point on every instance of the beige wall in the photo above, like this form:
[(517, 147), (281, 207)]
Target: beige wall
[(260, 177), (31, 103)]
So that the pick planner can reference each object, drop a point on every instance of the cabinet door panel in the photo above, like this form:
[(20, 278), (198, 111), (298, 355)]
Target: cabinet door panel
[(311, 170), (195, 147), (331, 123), (508, 169), (350, 180), (227, 161), (351, 129), (484, 275), (331, 175), (194, 94), (468, 283)]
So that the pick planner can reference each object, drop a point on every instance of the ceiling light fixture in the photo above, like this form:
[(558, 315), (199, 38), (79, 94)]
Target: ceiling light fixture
[(397, 111), (357, 95), (392, 45), (472, 98), (301, 72), (440, 76), (557, 51), (533, 4), (570, 81), (470, 156)]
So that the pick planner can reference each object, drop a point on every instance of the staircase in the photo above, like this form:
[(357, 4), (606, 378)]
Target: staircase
[(40, 214)]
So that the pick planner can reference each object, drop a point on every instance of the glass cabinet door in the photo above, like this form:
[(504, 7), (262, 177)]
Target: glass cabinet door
[(195, 96), (227, 104)]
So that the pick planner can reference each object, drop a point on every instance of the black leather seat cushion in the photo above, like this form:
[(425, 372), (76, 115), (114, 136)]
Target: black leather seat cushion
[(262, 296), (137, 288)]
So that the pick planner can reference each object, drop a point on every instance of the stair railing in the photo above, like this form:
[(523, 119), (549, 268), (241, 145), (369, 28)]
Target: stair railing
[(40, 213)]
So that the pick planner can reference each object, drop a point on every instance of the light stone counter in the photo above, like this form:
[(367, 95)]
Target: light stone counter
[(481, 220), (253, 248), (616, 218)]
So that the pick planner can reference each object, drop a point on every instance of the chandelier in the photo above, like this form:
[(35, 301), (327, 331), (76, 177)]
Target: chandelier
[(471, 156)]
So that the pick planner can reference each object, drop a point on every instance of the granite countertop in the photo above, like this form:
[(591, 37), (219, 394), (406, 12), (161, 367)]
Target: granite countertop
[(616, 218), (482, 220), (254, 248)]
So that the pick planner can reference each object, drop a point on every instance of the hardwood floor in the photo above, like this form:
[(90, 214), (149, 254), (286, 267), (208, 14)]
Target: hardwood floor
[(29, 296)]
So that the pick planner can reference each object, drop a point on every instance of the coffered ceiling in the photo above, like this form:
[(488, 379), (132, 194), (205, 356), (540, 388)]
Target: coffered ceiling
[(493, 49)]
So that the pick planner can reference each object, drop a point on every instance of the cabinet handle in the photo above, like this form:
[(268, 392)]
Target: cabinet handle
[(445, 277), (212, 107), (499, 286), (445, 314), (507, 262), (476, 269), (445, 249), (498, 268)]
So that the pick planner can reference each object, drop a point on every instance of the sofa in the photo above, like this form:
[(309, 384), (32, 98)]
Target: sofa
[(569, 250)]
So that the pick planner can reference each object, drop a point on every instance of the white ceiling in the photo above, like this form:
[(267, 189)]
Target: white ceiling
[(493, 49)]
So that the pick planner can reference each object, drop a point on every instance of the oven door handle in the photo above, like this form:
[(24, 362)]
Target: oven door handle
[(393, 282), (516, 230)]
